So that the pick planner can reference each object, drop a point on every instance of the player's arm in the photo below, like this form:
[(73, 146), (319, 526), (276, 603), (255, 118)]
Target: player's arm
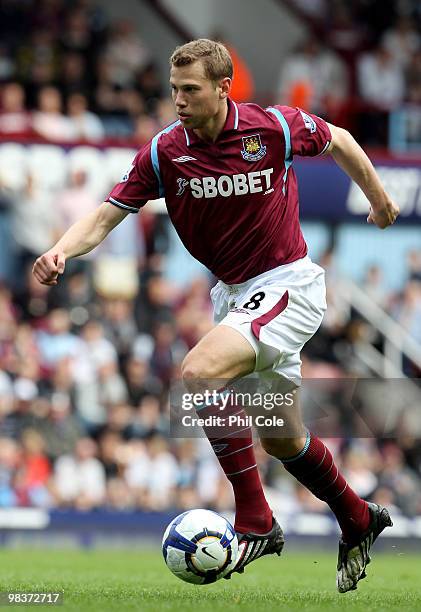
[(348, 154), (80, 238)]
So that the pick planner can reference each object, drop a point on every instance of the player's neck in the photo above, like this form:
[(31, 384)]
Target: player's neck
[(215, 125)]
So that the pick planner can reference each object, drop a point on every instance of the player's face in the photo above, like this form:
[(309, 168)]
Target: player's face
[(197, 99)]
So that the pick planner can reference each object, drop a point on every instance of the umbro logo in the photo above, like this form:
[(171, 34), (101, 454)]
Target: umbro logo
[(184, 158)]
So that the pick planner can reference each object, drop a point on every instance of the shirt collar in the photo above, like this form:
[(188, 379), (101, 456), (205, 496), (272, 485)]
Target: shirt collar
[(231, 123)]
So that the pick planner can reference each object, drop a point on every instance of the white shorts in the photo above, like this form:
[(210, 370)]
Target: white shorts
[(277, 312)]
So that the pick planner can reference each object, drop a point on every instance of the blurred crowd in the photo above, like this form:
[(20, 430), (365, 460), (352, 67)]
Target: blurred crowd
[(69, 74), (85, 374), (85, 369), (361, 63)]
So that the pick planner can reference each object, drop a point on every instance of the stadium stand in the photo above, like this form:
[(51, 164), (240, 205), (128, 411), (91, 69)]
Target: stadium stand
[(86, 367)]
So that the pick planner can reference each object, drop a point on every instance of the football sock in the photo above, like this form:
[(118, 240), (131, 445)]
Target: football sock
[(315, 468), (234, 450)]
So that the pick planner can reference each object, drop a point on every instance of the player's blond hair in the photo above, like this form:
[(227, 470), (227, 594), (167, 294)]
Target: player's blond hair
[(214, 55)]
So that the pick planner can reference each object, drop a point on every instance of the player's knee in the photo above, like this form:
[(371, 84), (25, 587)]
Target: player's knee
[(192, 369), (196, 372), (283, 447)]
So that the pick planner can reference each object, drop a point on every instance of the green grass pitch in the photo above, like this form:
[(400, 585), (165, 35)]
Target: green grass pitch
[(139, 580)]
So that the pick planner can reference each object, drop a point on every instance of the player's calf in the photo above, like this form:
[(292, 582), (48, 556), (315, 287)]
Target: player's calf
[(283, 447)]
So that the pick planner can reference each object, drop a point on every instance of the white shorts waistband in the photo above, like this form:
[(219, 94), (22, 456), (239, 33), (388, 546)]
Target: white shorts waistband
[(291, 272)]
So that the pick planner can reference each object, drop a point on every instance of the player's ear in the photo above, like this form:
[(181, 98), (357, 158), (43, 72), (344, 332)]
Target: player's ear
[(224, 87)]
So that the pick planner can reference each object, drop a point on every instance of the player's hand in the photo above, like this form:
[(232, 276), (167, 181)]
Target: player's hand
[(48, 266), (385, 216)]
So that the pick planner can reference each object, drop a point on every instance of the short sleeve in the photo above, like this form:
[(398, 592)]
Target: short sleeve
[(309, 134), (138, 185)]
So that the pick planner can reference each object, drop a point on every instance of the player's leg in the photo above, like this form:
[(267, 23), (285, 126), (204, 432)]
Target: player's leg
[(223, 353), (221, 356), (310, 461), (289, 312), (312, 464), (291, 318)]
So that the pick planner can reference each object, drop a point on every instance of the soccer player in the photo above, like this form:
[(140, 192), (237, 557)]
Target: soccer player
[(231, 193)]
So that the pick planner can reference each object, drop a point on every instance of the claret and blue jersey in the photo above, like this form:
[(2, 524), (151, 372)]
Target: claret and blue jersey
[(233, 202)]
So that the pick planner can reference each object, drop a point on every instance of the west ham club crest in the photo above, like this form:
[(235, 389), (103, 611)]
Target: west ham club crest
[(253, 150)]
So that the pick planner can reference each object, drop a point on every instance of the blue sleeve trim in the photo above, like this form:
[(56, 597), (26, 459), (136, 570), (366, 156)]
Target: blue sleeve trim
[(236, 116), (154, 155), (121, 205), (287, 135)]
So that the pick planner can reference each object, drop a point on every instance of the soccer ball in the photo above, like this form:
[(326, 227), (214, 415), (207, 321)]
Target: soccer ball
[(200, 546)]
